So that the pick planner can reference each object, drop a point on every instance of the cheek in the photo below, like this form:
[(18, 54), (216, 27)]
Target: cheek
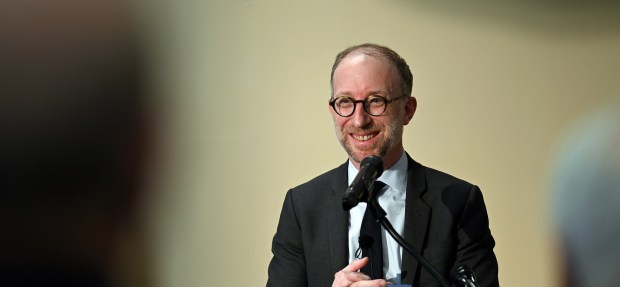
[(339, 122), (391, 126)]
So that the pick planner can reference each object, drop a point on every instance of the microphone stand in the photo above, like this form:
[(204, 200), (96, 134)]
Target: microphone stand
[(379, 213)]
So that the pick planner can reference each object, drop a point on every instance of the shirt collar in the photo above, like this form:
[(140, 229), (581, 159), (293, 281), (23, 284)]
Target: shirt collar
[(395, 176)]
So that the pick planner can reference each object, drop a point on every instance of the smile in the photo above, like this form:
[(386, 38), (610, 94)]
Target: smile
[(363, 137)]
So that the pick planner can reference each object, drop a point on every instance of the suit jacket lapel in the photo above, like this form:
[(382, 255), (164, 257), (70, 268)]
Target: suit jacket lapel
[(338, 220), (417, 215)]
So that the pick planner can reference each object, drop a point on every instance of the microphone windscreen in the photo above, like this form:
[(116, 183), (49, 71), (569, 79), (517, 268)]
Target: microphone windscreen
[(375, 162), (462, 275), (366, 241)]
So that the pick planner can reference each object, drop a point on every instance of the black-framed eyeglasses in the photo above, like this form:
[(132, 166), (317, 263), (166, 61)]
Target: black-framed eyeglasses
[(374, 105)]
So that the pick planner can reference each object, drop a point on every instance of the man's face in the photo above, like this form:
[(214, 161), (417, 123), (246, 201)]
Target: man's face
[(358, 76)]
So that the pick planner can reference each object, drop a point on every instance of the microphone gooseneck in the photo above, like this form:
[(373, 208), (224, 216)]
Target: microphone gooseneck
[(381, 215)]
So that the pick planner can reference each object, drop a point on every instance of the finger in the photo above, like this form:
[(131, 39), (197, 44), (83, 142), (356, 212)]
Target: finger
[(357, 264), (352, 278), (370, 283), (356, 276)]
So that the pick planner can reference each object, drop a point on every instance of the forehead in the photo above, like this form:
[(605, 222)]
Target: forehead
[(361, 71)]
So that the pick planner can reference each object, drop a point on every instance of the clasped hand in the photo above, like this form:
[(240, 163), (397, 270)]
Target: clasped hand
[(350, 276)]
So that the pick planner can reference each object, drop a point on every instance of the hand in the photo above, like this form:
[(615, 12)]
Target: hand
[(350, 276)]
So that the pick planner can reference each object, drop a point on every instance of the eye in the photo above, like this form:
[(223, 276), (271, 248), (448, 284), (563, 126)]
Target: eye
[(375, 101), (344, 102)]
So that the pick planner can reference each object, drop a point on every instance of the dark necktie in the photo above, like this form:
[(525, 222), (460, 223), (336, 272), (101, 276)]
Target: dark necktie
[(370, 240)]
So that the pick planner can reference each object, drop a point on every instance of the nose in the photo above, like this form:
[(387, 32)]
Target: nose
[(360, 117)]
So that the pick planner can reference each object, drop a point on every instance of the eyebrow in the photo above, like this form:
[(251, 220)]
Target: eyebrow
[(347, 94)]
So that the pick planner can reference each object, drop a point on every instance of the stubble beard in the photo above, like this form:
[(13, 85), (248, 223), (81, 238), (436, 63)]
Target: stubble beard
[(391, 135)]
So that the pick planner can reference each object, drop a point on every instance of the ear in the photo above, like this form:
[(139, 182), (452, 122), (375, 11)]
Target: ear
[(410, 108)]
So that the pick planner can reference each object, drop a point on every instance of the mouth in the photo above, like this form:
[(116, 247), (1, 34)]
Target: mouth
[(364, 137)]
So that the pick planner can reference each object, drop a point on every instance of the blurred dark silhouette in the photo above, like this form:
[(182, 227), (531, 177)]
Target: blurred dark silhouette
[(586, 201), (73, 138)]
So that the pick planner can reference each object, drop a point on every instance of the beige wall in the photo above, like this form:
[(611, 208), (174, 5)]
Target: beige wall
[(246, 84)]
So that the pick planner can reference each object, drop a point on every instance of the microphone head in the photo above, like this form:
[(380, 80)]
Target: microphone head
[(374, 162), (462, 275), (365, 241), (370, 169)]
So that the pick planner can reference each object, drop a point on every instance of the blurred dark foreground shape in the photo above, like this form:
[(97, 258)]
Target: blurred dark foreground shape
[(73, 133)]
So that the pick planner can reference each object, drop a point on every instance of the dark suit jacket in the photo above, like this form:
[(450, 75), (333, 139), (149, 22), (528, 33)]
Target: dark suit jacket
[(445, 220)]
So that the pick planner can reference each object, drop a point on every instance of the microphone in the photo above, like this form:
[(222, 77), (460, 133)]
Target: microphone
[(370, 169), (462, 275), (365, 241)]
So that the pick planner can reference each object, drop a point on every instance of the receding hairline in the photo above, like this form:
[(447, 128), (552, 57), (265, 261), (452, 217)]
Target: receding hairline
[(391, 68), (400, 66)]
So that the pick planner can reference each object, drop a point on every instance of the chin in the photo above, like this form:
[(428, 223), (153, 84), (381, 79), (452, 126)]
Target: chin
[(359, 156)]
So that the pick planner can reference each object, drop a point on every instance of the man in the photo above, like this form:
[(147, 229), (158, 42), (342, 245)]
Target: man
[(442, 217)]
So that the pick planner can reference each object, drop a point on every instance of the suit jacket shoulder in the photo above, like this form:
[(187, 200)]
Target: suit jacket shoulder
[(322, 185), (310, 244), (446, 221)]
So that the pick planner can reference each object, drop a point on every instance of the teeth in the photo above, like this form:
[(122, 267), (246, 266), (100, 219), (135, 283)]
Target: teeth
[(363, 138)]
